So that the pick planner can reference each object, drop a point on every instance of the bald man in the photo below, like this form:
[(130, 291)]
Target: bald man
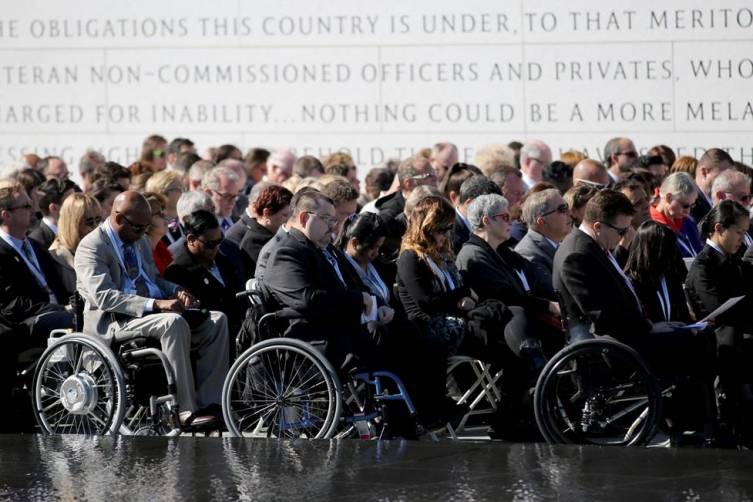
[(590, 172), (126, 297)]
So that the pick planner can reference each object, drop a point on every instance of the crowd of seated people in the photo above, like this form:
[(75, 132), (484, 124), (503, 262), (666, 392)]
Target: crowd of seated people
[(429, 258)]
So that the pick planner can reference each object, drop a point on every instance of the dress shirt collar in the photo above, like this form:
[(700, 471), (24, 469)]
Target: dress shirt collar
[(716, 247), (47, 221), (463, 219)]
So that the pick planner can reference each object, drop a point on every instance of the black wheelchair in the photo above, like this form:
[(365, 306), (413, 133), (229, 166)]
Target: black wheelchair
[(85, 384), (283, 387), (599, 391)]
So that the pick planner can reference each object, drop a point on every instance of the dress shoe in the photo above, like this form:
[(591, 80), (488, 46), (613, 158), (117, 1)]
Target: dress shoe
[(192, 420)]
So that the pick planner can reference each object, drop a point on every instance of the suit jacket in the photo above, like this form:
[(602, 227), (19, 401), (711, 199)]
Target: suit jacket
[(594, 293), (213, 295), (715, 278), (239, 228), (100, 281), (43, 235), (253, 241), (491, 274), (460, 234), (647, 292), (535, 248), (21, 297), (700, 207), (298, 276), (266, 252), (227, 248)]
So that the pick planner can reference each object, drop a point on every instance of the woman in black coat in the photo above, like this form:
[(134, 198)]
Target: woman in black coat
[(206, 274), (718, 274)]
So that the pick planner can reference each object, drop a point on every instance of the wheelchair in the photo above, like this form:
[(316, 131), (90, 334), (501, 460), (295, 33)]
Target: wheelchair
[(599, 391), (285, 388), (84, 385)]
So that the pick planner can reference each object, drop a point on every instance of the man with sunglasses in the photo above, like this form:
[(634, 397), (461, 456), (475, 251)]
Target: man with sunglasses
[(126, 297), (598, 297), (32, 296), (620, 157), (548, 219)]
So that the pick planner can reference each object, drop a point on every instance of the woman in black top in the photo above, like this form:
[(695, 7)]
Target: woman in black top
[(657, 273), (718, 274), (272, 209), (433, 297), (206, 274)]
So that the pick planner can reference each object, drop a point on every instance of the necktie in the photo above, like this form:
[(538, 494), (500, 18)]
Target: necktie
[(226, 224), (133, 271), (37, 271), (333, 263)]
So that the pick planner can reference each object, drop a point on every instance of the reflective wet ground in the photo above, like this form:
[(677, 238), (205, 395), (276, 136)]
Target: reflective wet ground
[(122, 468)]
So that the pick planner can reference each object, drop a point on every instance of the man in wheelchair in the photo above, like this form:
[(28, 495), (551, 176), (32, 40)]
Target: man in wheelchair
[(304, 275), (599, 299), (126, 298)]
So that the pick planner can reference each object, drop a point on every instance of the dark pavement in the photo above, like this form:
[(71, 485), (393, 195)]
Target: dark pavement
[(146, 468)]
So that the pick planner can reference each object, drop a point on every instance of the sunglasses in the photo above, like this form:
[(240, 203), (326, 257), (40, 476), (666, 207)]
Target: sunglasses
[(562, 208), (620, 231), (226, 197), (211, 244), (158, 152), (94, 221), (136, 228), (631, 154)]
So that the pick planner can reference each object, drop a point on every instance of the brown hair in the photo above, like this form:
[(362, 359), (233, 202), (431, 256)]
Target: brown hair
[(274, 198), (685, 164), (606, 205), (427, 216)]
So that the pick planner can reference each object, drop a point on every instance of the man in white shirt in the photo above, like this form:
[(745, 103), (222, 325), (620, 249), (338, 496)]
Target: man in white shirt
[(223, 185), (53, 194)]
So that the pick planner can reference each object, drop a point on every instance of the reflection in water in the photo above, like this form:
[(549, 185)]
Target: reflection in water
[(153, 468)]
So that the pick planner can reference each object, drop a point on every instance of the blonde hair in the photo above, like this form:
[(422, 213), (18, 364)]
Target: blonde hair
[(491, 157), (427, 216), (159, 182), (74, 210), (572, 157)]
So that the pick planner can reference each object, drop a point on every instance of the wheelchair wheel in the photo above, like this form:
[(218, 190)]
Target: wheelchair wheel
[(79, 387), (597, 392), (282, 388)]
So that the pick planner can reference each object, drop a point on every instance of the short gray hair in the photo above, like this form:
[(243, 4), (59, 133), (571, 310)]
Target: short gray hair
[(678, 184), (198, 169), (485, 205), (727, 179), (211, 179), (537, 204), (193, 201)]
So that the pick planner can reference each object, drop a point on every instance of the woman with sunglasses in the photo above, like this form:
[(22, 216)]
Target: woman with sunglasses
[(207, 274), (79, 215), (157, 230), (677, 195)]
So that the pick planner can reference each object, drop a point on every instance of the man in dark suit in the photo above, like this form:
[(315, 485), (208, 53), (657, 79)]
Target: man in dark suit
[(53, 193), (599, 298), (301, 276), (548, 219), (31, 292), (712, 163), (471, 188)]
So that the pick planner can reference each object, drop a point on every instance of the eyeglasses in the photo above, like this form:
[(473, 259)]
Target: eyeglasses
[(745, 199), (175, 189), (211, 244), (158, 152), (632, 154), (424, 176), (94, 221), (504, 216), (620, 231), (562, 208), (26, 206), (330, 221), (597, 186), (136, 228), (226, 197)]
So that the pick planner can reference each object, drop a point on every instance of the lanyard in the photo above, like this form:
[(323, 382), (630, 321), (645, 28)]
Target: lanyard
[(524, 280), (663, 295), (130, 284), (687, 247)]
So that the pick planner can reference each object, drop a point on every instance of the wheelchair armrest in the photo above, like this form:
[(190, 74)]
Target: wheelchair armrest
[(285, 314)]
